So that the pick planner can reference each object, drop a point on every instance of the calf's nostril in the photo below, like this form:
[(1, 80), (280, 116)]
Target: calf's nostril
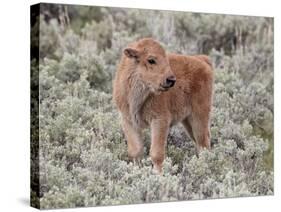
[(170, 81)]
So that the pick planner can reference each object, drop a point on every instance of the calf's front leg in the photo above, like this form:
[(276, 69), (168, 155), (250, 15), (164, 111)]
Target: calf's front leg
[(134, 141), (159, 134)]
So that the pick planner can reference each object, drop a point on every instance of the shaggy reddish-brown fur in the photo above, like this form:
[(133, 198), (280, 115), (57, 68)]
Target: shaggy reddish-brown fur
[(145, 98)]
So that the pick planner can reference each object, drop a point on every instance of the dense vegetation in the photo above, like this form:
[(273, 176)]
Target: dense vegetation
[(83, 157)]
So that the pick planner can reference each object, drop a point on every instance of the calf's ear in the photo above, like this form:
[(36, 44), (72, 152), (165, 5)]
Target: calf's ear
[(131, 53)]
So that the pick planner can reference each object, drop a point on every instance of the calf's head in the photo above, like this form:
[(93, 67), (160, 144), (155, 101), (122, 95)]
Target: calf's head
[(151, 64)]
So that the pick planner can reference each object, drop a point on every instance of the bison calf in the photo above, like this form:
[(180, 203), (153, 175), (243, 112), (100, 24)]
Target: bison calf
[(156, 89)]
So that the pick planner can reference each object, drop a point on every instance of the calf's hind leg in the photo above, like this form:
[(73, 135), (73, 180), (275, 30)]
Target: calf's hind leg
[(201, 130), (187, 125), (201, 104)]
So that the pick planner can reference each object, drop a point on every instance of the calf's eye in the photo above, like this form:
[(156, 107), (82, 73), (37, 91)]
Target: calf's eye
[(151, 61)]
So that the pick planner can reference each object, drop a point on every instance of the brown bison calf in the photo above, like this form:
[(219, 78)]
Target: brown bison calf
[(158, 89)]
